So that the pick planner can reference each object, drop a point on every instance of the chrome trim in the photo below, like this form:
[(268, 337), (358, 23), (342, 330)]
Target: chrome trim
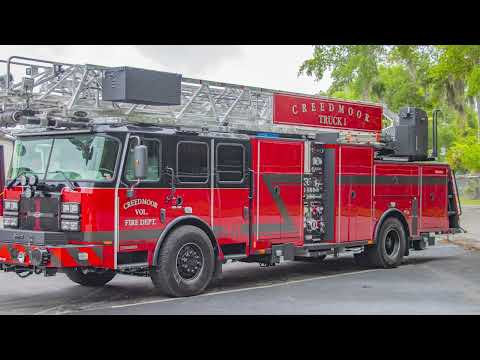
[(212, 180), (116, 225), (69, 217), (10, 213)]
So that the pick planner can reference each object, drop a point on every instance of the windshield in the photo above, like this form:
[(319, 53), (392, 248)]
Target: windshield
[(79, 157)]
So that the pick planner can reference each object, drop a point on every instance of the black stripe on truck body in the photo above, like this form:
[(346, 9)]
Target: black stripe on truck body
[(390, 180)]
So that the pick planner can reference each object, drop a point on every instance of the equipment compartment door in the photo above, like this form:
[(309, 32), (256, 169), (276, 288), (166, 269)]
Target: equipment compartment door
[(279, 191), (434, 198), (231, 207), (356, 185)]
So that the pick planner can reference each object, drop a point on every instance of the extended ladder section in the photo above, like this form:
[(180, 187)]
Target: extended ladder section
[(61, 90)]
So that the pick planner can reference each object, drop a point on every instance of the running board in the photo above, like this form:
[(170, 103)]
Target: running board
[(235, 257), (327, 246), (130, 266)]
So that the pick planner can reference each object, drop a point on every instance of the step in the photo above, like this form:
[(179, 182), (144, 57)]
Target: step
[(235, 256)]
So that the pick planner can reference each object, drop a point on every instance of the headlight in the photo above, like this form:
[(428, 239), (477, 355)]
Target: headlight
[(10, 221), (70, 208), (10, 205), (68, 225)]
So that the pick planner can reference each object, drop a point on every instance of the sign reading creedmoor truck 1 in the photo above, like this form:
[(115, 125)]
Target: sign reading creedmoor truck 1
[(172, 177), (328, 113)]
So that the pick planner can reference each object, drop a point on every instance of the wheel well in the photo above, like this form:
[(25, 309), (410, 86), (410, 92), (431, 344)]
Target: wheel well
[(200, 224), (396, 214), (188, 221), (404, 223)]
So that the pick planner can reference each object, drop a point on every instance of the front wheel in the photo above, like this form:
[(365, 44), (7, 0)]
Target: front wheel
[(185, 264), (89, 278)]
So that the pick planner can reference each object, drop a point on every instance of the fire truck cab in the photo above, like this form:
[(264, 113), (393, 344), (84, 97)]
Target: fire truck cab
[(92, 197)]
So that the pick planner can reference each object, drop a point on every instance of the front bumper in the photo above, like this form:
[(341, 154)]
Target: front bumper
[(18, 246), (40, 238)]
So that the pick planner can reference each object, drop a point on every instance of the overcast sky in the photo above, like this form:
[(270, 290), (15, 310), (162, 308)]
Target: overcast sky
[(269, 66)]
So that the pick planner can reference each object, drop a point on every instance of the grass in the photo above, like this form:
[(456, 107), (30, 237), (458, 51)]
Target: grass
[(464, 201)]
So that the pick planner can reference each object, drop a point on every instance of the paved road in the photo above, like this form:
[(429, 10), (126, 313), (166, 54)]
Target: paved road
[(444, 279), (470, 220), (440, 280)]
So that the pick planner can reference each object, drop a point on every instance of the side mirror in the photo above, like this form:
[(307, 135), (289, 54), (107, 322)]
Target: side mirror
[(140, 159)]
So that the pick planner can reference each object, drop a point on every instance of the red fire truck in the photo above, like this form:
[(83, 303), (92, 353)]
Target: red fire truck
[(147, 173)]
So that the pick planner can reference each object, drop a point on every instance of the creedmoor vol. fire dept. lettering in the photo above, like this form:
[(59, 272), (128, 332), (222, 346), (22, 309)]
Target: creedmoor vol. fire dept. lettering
[(136, 202)]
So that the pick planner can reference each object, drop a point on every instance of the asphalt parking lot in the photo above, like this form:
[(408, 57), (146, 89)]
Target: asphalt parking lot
[(444, 279)]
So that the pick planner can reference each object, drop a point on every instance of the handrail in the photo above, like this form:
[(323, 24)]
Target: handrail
[(435, 132), (9, 62)]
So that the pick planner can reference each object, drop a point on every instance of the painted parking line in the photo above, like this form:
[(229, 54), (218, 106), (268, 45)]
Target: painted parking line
[(286, 283)]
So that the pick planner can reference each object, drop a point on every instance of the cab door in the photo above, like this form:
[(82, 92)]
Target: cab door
[(230, 195), (139, 212)]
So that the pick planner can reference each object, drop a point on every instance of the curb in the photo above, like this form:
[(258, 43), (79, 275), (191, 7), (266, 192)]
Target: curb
[(467, 243)]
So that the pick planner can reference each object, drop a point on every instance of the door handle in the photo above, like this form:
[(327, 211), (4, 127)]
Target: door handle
[(246, 212), (163, 216), (276, 190), (354, 194), (432, 196)]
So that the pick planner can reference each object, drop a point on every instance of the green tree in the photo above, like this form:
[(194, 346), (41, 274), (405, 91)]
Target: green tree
[(455, 77), (445, 77), (395, 87), (351, 65)]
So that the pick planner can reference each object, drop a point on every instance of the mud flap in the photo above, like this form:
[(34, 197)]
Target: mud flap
[(217, 273)]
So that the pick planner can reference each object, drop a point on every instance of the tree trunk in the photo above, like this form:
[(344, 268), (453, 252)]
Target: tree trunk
[(477, 100), (412, 69), (366, 92), (458, 88)]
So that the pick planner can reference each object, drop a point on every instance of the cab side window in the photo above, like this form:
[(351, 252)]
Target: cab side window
[(154, 160), (230, 163), (192, 162)]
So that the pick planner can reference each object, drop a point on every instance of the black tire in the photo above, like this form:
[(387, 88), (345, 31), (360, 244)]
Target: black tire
[(419, 245), (185, 263), (389, 248), (90, 278)]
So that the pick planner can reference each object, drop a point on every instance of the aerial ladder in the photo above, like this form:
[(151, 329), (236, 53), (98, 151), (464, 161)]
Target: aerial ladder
[(65, 92)]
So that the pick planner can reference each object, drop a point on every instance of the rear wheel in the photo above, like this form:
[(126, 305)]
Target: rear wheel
[(390, 246), (89, 278), (185, 264)]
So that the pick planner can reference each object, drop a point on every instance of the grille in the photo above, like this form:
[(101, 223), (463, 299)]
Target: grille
[(39, 213)]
